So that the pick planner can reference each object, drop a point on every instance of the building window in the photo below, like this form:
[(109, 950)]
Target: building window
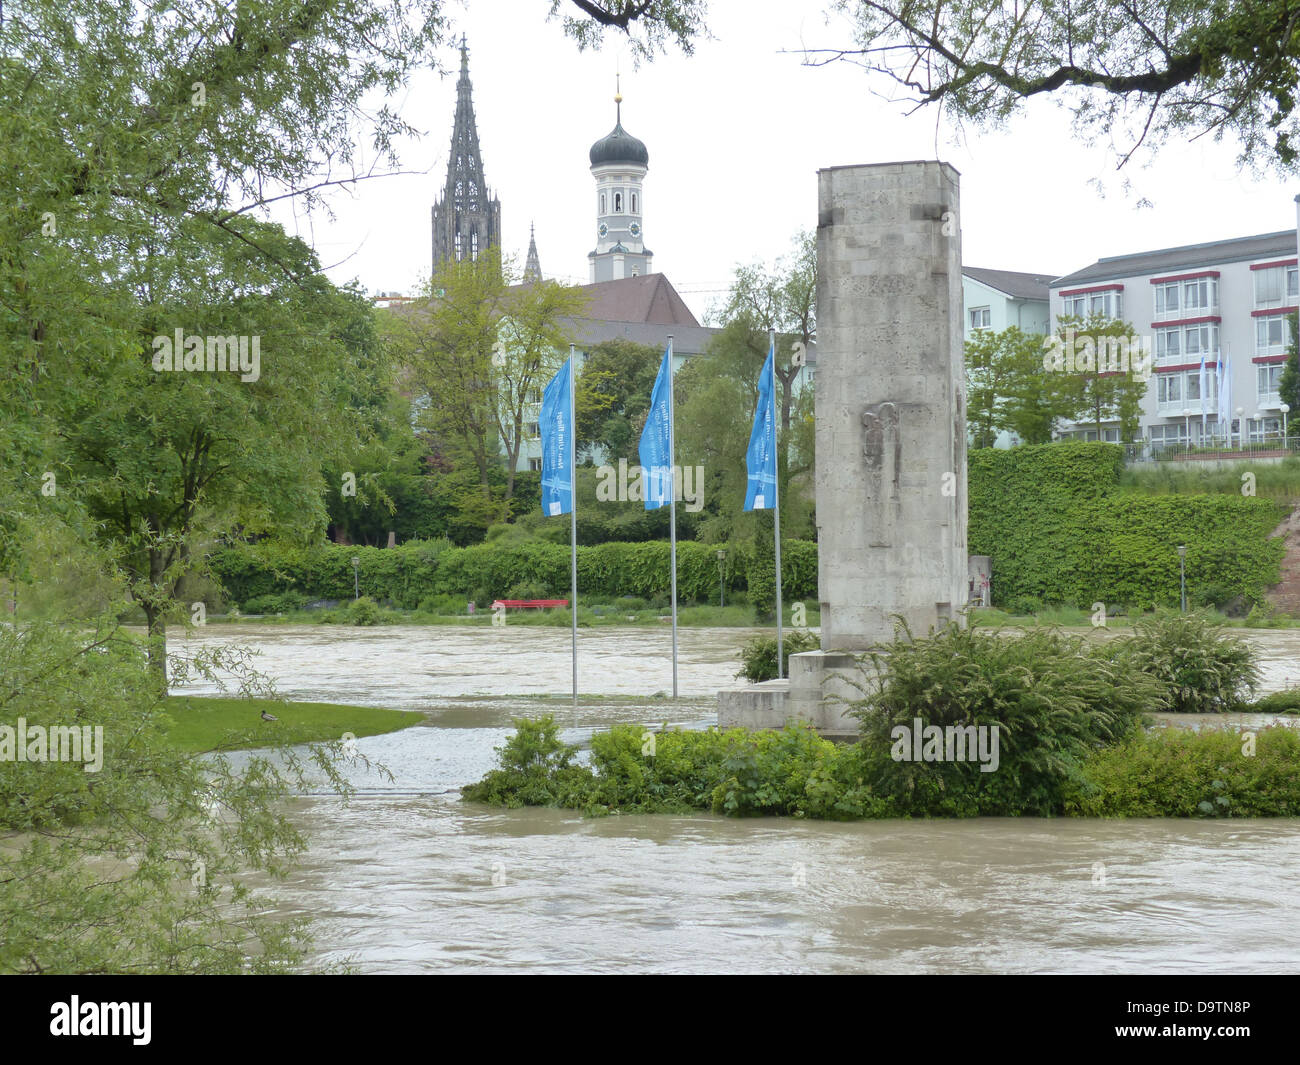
[(532, 430), (1170, 389), (1187, 299), (1278, 286), (473, 246), (1201, 294), (1272, 335), (534, 395), (618, 203), (1187, 344), (1169, 345), (1093, 304), (602, 203), (535, 465), (980, 317), (459, 253), (1267, 379), (634, 203), (1167, 435)]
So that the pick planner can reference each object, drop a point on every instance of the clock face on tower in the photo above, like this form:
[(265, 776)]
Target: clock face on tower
[(603, 230), (635, 229)]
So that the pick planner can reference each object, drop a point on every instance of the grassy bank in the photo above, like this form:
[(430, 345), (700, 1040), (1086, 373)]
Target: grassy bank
[(205, 724)]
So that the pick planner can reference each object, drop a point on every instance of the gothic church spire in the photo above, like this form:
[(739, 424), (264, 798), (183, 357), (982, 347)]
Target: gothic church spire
[(466, 219)]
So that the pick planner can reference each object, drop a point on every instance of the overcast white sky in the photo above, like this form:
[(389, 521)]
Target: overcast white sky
[(736, 133)]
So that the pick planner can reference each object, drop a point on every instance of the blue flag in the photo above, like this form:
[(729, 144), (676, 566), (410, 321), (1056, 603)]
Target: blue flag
[(557, 443), (656, 441), (760, 459)]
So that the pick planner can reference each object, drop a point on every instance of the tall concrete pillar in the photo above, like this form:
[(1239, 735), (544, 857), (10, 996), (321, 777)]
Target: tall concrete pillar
[(891, 406)]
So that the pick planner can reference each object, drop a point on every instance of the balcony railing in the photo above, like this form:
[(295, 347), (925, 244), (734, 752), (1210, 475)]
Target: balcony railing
[(1210, 310)]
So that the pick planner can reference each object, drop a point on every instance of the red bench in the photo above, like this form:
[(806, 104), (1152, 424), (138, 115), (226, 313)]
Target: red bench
[(529, 604)]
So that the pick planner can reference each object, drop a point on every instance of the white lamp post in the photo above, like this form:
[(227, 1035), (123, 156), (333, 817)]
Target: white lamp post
[(1284, 408), (1241, 428)]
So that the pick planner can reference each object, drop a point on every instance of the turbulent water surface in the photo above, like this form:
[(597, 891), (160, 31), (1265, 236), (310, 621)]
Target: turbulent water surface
[(407, 878)]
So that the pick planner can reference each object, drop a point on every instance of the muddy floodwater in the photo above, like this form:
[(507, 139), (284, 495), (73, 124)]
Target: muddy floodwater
[(407, 878)]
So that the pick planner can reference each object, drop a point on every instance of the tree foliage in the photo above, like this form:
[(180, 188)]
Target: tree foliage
[(1007, 388), (1146, 69)]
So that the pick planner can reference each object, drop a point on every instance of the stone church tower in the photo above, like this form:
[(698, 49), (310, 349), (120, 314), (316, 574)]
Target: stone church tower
[(619, 163), (466, 222)]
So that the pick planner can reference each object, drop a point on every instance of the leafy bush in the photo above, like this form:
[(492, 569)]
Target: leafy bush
[(414, 571), (450, 605), (1053, 698), (364, 611), (758, 656), (528, 590), (275, 604), (536, 770), (1283, 702), (1263, 616), (794, 772), (1176, 773), (1203, 668), (1212, 595), (1059, 529)]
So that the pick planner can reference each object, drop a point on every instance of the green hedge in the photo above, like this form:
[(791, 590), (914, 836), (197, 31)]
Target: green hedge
[(1052, 518), (1058, 530), (412, 572)]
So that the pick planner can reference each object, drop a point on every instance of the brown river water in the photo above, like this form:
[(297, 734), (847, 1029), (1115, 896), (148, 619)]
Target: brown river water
[(407, 878)]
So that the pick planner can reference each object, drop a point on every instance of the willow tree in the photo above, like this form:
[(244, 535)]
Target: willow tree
[(1153, 69), (140, 146)]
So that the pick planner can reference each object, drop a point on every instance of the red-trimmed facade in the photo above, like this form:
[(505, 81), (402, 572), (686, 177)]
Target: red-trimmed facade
[(1090, 288), (1187, 321), (1185, 277)]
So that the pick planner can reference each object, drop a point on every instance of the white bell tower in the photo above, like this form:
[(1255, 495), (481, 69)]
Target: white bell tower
[(619, 163)]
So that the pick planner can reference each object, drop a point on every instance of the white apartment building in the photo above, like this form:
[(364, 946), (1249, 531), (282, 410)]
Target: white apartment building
[(1225, 299)]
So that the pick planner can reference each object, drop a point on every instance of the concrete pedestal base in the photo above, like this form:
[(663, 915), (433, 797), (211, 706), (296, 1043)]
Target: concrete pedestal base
[(820, 690)]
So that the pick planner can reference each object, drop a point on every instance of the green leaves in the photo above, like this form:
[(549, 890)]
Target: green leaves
[(1053, 697), (1142, 70), (1059, 530), (1204, 669)]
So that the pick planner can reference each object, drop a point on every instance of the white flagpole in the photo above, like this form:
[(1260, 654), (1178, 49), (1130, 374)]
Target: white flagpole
[(672, 505), (573, 521), (776, 513)]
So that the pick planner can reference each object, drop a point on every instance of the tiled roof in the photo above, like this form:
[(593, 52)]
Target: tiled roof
[(648, 298), (1016, 285), (687, 339), (1165, 260)]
